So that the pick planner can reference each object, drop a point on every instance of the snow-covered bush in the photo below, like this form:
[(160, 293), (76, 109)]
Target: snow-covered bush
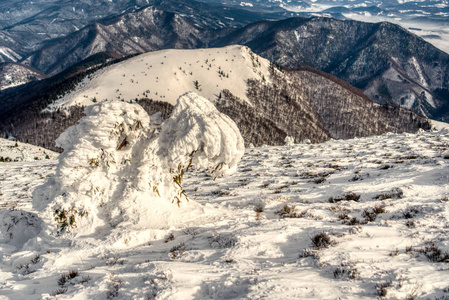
[(120, 168)]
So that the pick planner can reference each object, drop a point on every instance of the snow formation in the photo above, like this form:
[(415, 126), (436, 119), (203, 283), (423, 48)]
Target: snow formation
[(121, 170)]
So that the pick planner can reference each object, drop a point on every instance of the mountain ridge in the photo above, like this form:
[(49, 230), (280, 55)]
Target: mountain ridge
[(390, 64), (267, 103)]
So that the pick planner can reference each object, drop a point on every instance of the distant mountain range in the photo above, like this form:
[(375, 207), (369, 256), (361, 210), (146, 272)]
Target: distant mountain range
[(390, 64), (27, 26)]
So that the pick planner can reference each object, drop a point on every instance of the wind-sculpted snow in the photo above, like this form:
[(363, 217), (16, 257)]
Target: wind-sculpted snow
[(122, 170), (206, 142)]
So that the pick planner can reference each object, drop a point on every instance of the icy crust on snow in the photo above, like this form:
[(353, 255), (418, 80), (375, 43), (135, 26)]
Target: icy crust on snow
[(119, 171)]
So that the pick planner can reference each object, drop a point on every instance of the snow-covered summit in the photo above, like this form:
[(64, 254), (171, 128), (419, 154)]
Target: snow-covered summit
[(164, 75)]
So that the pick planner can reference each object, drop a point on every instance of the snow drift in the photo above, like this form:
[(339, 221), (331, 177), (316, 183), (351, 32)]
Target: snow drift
[(123, 169), (18, 226)]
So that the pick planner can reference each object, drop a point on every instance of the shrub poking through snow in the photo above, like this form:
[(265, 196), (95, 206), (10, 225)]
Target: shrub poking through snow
[(396, 193), (382, 288), (36, 259), (259, 208), (169, 237), (322, 240), (58, 292), (434, 254), (62, 280), (346, 270), (123, 169), (288, 211), (347, 196), (370, 215), (72, 274), (115, 261), (66, 277), (352, 221), (113, 286), (309, 253), (24, 269), (410, 212), (222, 240), (177, 251)]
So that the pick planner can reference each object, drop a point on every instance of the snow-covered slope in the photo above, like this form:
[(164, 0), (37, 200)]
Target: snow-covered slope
[(439, 125), (7, 54), (17, 151), (271, 239), (14, 74), (167, 74)]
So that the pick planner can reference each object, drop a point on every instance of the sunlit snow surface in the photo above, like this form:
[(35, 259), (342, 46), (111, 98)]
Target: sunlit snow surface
[(240, 256), (206, 71)]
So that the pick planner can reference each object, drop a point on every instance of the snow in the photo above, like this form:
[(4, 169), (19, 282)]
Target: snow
[(410, 99), (392, 74), (7, 54), (420, 75), (439, 125), (239, 253), (120, 173), (164, 75), (17, 151), (13, 75), (212, 136)]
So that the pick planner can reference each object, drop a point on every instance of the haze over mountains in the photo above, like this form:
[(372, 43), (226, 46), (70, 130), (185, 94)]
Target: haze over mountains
[(428, 19)]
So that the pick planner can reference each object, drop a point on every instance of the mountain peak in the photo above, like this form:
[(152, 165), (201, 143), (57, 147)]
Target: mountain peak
[(166, 74)]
